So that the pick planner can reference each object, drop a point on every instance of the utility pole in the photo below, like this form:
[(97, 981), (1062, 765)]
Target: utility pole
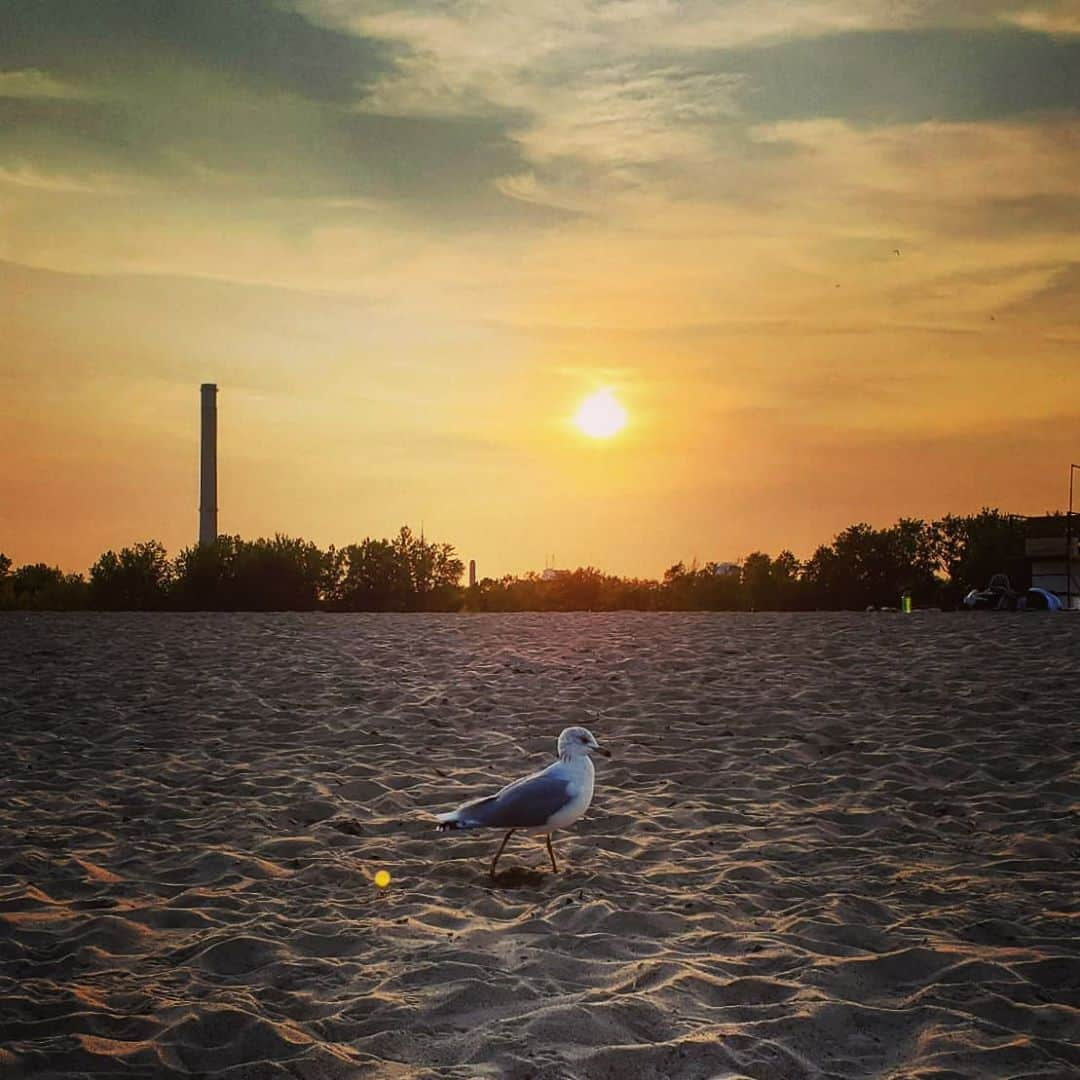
[(1068, 542)]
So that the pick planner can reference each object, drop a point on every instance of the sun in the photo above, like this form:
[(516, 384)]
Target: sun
[(600, 415)]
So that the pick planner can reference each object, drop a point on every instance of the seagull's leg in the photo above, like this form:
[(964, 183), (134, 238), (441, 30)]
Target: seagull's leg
[(499, 852), (554, 865)]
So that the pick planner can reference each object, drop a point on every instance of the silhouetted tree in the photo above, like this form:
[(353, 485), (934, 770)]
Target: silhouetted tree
[(433, 572), (718, 587), (232, 574), (866, 555), (862, 566), (972, 549), (634, 594), (870, 567), (758, 590), (282, 574), (136, 579), (204, 576), (822, 577), (916, 560), (712, 587), (678, 587), (583, 589), (510, 593), (771, 584), (786, 574), (407, 573), (7, 592), (373, 578), (38, 587)]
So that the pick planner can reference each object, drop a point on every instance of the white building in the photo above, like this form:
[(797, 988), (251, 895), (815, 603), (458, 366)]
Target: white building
[(1048, 557)]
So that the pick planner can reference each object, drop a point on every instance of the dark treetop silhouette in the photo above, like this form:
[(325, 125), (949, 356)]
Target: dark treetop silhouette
[(935, 562)]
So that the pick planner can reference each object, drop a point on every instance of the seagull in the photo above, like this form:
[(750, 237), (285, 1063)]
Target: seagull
[(553, 798)]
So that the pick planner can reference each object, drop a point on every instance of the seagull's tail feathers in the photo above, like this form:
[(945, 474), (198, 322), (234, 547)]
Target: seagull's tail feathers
[(464, 817), (446, 822)]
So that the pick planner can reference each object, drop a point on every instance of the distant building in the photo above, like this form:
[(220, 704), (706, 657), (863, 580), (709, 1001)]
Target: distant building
[(721, 568), (1048, 556), (551, 574)]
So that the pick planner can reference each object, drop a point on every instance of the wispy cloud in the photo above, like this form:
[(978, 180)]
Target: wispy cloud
[(31, 83), (257, 43), (609, 99), (26, 176)]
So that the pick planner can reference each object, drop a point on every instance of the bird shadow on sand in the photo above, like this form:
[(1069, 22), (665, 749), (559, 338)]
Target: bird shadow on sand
[(519, 877)]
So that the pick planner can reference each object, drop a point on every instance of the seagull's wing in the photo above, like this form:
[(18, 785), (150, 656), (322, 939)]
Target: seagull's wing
[(525, 804)]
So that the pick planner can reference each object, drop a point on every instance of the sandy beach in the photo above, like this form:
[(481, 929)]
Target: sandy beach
[(827, 846)]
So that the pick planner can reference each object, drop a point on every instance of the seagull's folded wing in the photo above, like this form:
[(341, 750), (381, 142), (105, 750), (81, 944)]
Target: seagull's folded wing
[(525, 804)]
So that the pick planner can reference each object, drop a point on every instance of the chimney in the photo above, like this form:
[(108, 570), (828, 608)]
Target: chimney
[(472, 573), (208, 526)]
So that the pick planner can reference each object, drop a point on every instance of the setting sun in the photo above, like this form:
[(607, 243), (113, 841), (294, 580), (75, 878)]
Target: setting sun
[(600, 415)]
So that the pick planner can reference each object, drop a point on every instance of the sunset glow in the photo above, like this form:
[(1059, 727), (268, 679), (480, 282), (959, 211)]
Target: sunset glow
[(405, 241)]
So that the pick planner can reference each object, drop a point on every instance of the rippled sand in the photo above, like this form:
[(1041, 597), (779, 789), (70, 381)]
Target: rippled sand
[(828, 846)]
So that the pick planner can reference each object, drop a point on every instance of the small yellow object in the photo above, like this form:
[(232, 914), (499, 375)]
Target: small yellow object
[(382, 879)]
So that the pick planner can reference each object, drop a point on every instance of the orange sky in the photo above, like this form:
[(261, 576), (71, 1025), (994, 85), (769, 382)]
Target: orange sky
[(408, 241)]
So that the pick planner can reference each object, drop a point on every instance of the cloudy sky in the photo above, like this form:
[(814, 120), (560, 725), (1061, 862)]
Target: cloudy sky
[(406, 240)]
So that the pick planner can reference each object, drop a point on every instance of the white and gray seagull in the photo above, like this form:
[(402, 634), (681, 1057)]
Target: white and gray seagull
[(553, 798)]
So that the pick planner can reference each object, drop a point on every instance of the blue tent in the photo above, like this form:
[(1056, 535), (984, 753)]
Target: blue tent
[(1043, 600)]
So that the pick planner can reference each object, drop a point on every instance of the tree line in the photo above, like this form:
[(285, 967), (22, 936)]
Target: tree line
[(934, 562)]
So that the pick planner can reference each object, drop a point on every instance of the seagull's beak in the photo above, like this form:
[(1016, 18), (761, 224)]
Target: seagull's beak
[(600, 750)]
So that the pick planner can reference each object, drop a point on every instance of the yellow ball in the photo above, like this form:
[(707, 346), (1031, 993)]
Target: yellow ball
[(382, 879)]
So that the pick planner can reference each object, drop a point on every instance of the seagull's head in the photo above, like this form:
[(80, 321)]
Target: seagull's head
[(579, 742)]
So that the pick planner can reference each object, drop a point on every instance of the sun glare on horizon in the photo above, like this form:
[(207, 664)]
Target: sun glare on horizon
[(600, 415)]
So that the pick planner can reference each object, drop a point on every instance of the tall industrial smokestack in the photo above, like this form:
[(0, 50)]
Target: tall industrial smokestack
[(208, 529)]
